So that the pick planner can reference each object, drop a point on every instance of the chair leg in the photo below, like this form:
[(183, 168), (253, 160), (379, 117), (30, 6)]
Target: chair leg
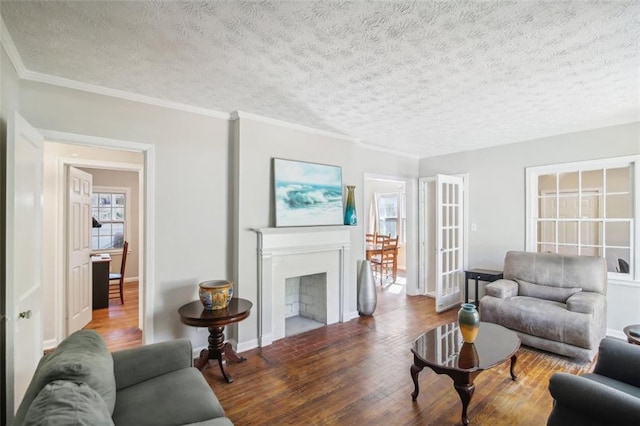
[(121, 291)]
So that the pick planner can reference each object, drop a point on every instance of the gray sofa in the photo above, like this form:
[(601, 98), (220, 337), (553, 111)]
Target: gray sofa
[(81, 383), (608, 396), (554, 302)]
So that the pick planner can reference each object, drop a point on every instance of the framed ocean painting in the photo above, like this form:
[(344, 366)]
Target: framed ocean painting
[(307, 194)]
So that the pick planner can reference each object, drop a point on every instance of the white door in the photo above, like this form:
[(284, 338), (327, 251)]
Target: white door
[(79, 282), (449, 237), (24, 258)]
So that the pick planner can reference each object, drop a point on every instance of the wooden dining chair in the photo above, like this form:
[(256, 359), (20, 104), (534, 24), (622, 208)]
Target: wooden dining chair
[(370, 238), (386, 262), (116, 287)]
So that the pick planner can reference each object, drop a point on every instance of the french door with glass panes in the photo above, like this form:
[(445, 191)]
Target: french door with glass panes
[(449, 241)]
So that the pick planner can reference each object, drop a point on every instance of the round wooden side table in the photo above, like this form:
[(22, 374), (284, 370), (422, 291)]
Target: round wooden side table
[(195, 315), (627, 332)]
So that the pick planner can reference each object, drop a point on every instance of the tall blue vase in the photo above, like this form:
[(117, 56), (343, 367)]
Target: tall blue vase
[(350, 211)]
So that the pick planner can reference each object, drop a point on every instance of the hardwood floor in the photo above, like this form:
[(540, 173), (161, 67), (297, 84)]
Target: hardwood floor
[(358, 373), (118, 324)]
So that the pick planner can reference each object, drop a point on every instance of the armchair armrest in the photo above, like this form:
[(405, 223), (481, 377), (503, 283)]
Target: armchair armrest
[(132, 366), (594, 400), (618, 359), (586, 302), (502, 289)]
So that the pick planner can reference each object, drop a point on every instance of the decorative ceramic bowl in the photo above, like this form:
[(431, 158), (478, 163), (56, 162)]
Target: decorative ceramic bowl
[(215, 294)]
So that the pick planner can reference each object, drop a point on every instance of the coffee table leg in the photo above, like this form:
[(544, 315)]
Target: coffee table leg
[(415, 370), (465, 392), (514, 358)]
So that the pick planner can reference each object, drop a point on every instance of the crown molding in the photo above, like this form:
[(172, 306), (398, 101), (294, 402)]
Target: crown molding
[(121, 94), (10, 48), (235, 115), (387, 150), (25, 74)]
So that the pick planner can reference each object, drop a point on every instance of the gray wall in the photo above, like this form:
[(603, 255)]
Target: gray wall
[(256, 143), (191, 184), (497, 195), (195, 215)]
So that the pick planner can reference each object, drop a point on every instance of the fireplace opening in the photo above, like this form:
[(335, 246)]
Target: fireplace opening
[(305, 303)]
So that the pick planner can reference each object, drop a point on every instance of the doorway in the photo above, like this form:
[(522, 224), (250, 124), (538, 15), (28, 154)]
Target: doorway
[(443, 218), (385, 213), (111, 167)]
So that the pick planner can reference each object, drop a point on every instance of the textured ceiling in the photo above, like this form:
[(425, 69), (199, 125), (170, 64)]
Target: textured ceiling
[(424, 78)]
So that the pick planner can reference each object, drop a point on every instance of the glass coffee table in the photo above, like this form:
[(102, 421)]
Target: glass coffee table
[(443, 350)]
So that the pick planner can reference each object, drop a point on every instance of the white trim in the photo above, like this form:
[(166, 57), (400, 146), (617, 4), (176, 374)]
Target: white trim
[(120, 94), (236, 115), (386, 150), (423, 230), (146, 249), (411, 244), (10, 48), (623, 282), (95, 141), (612, 332), (131, 279), (243, 346), (127, 210), (37, 77), (531, 203)]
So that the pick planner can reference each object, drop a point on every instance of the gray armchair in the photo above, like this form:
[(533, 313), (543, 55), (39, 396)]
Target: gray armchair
[(608, 396)]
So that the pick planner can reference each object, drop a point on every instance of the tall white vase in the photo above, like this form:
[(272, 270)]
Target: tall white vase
[(367, 296)]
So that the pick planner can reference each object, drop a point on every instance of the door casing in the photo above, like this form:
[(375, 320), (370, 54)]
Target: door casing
[(146, 175)]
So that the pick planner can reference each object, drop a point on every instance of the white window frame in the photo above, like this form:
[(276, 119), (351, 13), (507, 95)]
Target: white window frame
[(531, 207), (401, 210), (127, 212)]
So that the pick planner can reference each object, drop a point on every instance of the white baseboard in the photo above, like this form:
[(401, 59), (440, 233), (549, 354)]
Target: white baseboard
[(246, 346), (348, 316), (265, 340), (128, 280), (49, 344), (195, 352), (238, 347), (616, 333)]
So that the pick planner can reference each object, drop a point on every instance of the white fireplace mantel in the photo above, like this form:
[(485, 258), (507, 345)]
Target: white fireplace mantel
[(289, 252)]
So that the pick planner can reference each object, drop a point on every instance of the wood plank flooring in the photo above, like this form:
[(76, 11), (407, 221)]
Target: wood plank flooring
[(118, 324), (358, 373)]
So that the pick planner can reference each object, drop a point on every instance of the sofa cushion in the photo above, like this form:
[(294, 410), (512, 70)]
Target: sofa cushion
[(539, 317), (179, 397), (615, 384), (68, 403), (502, 289), (557, 294), (82, 357)]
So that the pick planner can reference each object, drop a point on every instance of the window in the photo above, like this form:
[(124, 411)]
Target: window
[(587, 208), (109, 208), (392, 218)]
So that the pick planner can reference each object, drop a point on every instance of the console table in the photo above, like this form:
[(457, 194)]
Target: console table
[(486, 275), (195, 315)]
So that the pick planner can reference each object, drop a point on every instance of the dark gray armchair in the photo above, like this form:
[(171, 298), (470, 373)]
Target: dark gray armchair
[(608, 396)]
